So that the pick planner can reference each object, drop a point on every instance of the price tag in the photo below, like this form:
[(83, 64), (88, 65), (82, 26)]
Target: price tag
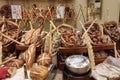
[(16, 11), (60, 11)]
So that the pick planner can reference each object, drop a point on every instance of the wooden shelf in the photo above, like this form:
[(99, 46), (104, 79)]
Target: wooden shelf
[(64, 50)]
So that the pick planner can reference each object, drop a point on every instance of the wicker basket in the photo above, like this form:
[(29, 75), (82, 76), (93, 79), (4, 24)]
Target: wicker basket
[(11, 29)]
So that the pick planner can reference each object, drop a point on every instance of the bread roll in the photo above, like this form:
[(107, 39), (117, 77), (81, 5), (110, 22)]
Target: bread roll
[(44, 59), (38, 72)]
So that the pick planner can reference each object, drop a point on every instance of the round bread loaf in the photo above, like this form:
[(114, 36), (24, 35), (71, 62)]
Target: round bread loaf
[(44, 59), (38, 72)]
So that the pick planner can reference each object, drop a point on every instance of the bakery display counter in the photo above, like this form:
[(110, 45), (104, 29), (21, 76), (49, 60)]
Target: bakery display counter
[(64, 52)]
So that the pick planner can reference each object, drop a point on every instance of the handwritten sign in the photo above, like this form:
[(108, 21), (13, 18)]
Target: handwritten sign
[(16, 12)]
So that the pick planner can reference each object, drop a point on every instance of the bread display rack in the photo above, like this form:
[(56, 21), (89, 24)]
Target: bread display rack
[(65, 52)]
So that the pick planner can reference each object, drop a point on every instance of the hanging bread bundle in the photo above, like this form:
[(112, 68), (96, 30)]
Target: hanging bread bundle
[(33, 35), (29, 56), (45, 57), (38, 72), (96, 34), (56, 43), (69, 36)]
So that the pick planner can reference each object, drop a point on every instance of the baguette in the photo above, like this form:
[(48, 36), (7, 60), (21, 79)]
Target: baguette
[(29, 56)]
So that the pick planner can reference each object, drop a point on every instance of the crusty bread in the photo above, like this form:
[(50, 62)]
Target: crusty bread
[(38, 72), (27, 36), (36, 35), (44, 59), (29, 56)]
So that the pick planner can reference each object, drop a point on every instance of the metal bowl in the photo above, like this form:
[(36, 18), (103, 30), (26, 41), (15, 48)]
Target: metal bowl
[(78, 64)]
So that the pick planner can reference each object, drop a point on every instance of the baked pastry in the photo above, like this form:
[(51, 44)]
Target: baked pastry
[(44, 59), (38, 72), (29, 56)]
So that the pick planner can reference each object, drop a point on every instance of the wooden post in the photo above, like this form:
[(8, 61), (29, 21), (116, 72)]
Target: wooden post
[(0, 52)]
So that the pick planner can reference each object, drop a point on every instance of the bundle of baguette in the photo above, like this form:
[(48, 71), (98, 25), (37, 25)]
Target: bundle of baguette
[(32, 36), (56, 43), (44, 59)]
